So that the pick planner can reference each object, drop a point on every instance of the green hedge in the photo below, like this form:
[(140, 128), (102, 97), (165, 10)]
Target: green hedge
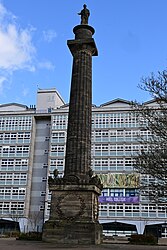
[(30, 236), (143, 239)]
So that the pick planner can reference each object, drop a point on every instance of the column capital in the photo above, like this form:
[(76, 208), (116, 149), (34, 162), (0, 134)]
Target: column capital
[(83, 44)]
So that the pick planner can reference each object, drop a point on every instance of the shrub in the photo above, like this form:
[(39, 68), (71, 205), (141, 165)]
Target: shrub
[(30, 236), (143, 239)]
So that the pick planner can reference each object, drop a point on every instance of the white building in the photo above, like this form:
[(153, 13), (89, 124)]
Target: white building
[(32, 145)]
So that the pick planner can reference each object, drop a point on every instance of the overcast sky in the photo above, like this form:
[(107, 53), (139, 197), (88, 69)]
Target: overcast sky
[(130, 35)]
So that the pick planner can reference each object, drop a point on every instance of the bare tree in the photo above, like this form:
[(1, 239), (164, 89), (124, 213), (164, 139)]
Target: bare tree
[(15, 216), (151, 161), (35, 219)]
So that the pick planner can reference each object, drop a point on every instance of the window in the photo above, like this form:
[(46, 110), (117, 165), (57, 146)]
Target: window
[(15, 123), (58, 137), (116, 192), (57, 163), (59, 122), (131, 192), (57, 150)]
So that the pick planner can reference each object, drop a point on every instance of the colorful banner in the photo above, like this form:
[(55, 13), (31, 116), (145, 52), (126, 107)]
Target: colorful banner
[(122, 199), (111, 180)]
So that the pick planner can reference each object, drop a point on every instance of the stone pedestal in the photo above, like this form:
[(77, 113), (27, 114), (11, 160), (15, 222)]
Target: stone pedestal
[(74, 215)]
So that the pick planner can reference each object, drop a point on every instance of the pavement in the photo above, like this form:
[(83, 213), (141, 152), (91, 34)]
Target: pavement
[(13, 244)]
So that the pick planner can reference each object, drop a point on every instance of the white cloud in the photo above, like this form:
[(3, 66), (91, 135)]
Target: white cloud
[(16, 48), (46, 65), (49, 35), (4, 14), (25, 91), (2, 11), (17, 51), (3, 79)]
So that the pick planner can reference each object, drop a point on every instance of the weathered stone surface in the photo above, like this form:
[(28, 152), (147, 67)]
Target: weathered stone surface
[(72, 233), (78, 147), (74, 215), (74, 203)]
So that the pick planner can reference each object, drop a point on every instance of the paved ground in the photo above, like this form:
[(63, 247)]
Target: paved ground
[(12, 244)]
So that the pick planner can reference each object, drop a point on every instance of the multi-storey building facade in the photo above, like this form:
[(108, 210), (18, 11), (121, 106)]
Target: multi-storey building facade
[(32, 145)]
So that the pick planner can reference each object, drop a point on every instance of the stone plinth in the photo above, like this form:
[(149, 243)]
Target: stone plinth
[(74, 215)]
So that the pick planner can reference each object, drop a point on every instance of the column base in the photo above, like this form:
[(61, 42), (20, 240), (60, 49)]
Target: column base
[(73, 215), (72, 233)]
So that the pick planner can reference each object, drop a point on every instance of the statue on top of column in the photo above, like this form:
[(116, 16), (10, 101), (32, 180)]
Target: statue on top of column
[(85, 13)]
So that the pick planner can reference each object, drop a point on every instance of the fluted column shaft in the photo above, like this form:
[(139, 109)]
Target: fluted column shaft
[(78, 147)]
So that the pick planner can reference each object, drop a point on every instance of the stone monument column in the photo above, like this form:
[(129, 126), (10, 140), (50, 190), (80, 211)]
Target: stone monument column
[(78, 147), (74, 203)]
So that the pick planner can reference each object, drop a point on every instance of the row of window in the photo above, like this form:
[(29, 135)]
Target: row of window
[(13, 175), (17, 151), (106, 135), (57, 150), (12, 193), (13, 178), (118, 147), (112, 168), (101, 120), (103, 149), (114, 120), (58, 137), (17, 137), (111, 133), (15, 123), (113, 162), (135, 207), (59, 122), (119, 135), (120, 192), (131, 210), (13, 164), (57, 163), (98, 164), (12, 208)]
